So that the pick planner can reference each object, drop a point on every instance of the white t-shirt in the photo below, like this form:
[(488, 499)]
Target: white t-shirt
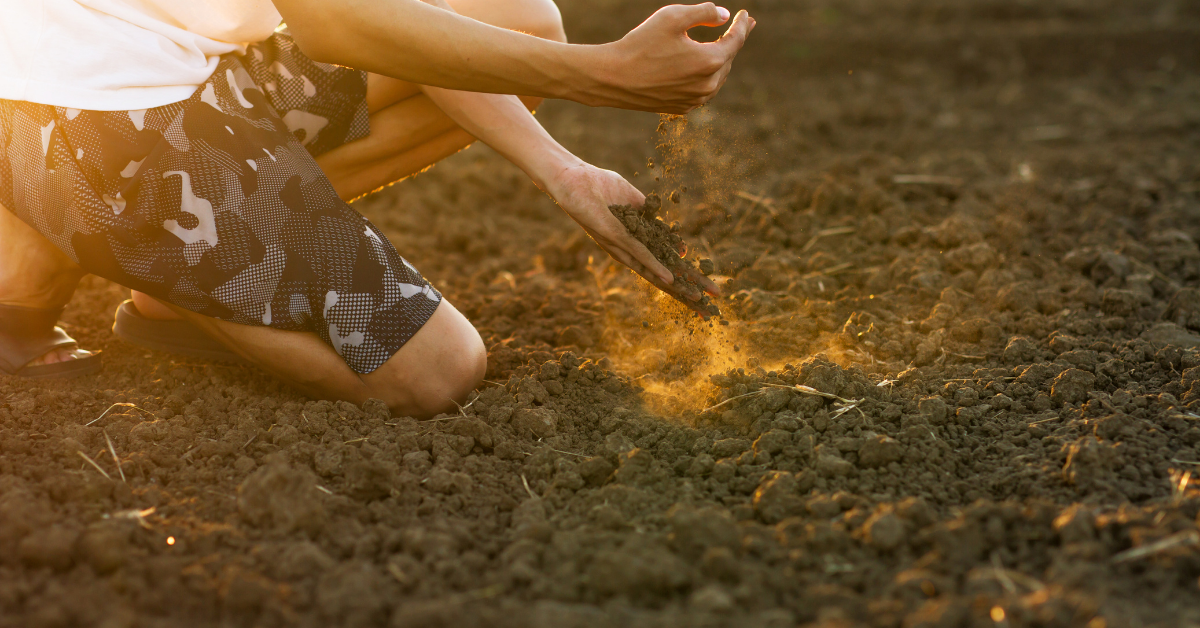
[(115, 55)]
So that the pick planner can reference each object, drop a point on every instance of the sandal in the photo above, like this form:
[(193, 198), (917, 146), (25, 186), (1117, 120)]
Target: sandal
[(27, 334), (175, 336)]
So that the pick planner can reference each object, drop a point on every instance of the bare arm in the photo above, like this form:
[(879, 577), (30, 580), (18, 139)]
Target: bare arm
[(656, 67), (583, 191)]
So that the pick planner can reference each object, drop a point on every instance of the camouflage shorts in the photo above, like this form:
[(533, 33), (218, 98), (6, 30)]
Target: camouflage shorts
[(216, 204)]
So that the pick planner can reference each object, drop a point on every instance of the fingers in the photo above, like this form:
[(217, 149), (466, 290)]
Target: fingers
[(616, 240), (689, 297), (659, 277), (629, 251), (633, 196), (677, 289), (653, 278), (724, 50), (645, 264), (689, 16), (647, 259), (735, 37), (704, 282)]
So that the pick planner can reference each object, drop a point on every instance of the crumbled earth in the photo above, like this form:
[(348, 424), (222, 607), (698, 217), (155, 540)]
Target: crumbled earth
[(960, 385), (665, 244)]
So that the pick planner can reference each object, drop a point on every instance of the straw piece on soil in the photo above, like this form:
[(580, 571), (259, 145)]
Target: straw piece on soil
[(93, 463), (732, 399), (116, 459), (925, 179), (134, 514), (527, 489), (1185, 538), (117, 405)]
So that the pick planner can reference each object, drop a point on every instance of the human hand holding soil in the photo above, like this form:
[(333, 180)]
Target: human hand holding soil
[(642, 222), (586, 192)]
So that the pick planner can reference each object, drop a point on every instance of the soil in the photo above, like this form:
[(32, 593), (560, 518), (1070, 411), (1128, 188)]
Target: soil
[(665, 244), (960, 385)]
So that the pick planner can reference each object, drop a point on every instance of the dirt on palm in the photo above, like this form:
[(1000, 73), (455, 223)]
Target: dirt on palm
[(665, 244), (959, 386)]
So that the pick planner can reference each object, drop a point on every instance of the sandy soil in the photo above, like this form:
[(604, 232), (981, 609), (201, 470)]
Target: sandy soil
[(957, 385)]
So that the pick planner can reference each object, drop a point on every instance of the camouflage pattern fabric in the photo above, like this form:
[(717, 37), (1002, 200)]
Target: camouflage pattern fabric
[(215, 204)]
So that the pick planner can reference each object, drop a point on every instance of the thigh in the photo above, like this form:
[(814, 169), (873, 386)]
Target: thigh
[(214, 205), (385, 91), (38, 184), (323, 104)]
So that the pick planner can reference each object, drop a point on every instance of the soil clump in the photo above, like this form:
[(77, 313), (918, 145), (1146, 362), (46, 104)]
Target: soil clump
[(667, 247)]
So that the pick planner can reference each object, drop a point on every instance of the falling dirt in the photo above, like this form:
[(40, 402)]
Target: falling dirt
[(960, 385)]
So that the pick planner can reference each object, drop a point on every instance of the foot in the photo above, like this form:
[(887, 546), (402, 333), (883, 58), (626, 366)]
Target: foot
[(62, 354), (33, 273), (152, 308)]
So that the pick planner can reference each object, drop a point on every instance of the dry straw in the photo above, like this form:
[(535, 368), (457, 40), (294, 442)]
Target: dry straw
[(93, 463), (117, 405), (842, 404), (527, 489), (1187, 538), (116, 460)]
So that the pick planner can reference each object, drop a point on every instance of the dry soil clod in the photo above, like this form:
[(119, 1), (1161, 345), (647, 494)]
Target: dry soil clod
[(644, 224)]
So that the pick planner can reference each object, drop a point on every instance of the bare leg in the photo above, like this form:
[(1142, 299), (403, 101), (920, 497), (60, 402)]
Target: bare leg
[(34, 273), (446, 359), (437, 367), (409, 134)]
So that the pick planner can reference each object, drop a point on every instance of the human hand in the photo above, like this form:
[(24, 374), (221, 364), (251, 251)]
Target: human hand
[(657, 67), (585, 192)]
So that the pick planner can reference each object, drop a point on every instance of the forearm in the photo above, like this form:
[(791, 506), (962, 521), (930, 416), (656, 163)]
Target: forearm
[(413, 41), (503, 123), (656, 67)]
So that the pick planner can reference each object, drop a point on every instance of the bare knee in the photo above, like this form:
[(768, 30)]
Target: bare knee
[(445, 387), (539, 18), (531, 102), (542, 19), (435, 370)]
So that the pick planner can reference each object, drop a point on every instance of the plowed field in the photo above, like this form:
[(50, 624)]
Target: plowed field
[(955, 382)]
